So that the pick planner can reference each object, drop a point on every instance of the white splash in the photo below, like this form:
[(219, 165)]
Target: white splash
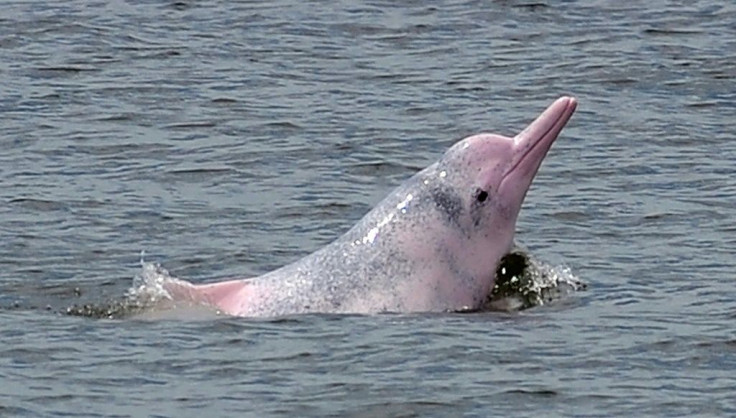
[(540, 284), (148, 284)]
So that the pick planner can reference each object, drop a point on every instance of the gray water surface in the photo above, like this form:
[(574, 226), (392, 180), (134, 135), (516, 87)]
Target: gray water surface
[(227, 139)]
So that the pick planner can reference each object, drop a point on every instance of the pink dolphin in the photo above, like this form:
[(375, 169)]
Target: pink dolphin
[(433, 244)]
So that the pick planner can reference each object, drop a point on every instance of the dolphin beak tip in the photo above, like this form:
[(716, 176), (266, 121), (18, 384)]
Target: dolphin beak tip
[(572, 102)]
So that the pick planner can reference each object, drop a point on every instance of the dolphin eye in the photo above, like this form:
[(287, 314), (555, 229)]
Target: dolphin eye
[(481, 195)]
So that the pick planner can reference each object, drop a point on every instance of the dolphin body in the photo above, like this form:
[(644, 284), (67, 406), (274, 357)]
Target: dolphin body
[(431, 245)]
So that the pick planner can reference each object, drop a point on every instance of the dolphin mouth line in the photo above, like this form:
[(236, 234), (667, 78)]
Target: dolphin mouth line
[(553, 131)]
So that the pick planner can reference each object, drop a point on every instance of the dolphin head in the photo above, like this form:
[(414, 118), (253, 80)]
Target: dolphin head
[(485, 178)]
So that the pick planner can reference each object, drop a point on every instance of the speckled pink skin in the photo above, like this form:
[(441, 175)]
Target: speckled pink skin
[(433, 244)]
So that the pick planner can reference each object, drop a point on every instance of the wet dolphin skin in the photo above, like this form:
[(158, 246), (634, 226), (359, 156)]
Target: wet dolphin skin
[(433, 244)]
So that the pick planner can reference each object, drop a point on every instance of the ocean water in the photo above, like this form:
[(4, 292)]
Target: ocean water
[(226, 139)]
